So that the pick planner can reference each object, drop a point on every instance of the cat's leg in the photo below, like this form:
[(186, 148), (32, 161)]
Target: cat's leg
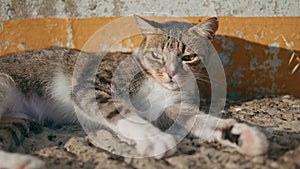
[(115, 116), (12, 129), (150, 141), (6, 87), (246, 139)]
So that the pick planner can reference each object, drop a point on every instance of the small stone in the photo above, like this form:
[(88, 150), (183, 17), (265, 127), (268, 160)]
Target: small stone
[(274, 164), (286, 97), (258, 160)]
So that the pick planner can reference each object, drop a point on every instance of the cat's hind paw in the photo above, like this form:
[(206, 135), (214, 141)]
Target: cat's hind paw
[(248, 140)]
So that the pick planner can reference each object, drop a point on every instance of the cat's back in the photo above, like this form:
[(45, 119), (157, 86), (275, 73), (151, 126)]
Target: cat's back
[(55, 59), (33, 69), (38, 61)]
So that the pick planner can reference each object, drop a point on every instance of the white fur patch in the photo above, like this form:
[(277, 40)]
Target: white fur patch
[(150, 141), (153, 99), (57, 107), (61, 88)]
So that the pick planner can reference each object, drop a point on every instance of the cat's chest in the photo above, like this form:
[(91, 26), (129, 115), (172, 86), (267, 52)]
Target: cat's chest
[(152, 99)]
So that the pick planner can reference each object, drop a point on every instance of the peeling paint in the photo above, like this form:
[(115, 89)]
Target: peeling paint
[(270, 63), (21, 46), (274, 47), (237, 74), (58, 43), (253, 63), (5, 45), (129, 44), (229, 45), (240, 34), (70, 42), (228, 49), (273, 62), (259, 35), (289, 45), (248, 46)]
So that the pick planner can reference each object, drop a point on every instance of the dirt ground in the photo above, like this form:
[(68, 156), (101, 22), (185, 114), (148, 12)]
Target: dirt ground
[(279, 117)]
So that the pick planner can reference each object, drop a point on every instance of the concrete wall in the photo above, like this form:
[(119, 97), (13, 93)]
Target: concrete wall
[(19, 9)]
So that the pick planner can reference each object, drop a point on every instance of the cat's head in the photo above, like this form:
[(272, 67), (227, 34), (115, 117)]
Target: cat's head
[(171, 49)]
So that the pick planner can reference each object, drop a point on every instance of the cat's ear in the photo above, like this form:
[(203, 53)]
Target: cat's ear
[(207, 28), (146, 26)]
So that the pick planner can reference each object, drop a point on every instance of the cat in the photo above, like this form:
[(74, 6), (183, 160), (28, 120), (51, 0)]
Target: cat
[(140, 96)]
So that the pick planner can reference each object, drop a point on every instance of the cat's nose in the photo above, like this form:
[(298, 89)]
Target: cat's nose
[(171, 74)]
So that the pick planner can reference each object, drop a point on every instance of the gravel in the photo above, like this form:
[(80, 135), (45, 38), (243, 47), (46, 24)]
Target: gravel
[(278, 117)]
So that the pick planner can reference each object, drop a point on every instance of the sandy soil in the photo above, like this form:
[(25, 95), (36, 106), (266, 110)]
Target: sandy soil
[(279, 117)]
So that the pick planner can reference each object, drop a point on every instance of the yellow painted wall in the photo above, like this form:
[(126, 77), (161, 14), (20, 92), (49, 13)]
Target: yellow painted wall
[(259, 53)]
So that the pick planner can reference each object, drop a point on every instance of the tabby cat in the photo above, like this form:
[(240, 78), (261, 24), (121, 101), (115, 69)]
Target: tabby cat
[(139, 97)]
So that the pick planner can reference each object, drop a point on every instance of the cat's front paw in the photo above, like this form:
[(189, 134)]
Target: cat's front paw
[(162, 145), (149, 140), (249, 139)]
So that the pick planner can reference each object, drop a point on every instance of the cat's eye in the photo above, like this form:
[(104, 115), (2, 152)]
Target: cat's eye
[(189, 58), (156, 55)]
